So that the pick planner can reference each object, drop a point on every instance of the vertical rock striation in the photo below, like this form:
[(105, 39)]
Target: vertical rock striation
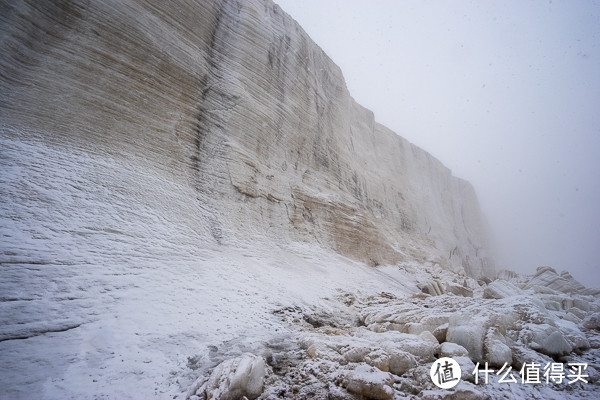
[(233, 100)]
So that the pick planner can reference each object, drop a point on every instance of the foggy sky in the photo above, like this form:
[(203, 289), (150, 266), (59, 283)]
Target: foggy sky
[(504, 93)]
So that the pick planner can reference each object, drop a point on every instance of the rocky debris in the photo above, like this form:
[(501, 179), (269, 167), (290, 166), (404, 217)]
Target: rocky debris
[(433, 287), (389, 354), (436, 288), (441, 281), (387, 351)]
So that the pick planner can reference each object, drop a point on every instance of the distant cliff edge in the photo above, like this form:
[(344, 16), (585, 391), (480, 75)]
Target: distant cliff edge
[(232, 104)]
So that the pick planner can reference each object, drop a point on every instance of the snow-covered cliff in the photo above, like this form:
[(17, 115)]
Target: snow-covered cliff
[(193, 206), (233, 102)]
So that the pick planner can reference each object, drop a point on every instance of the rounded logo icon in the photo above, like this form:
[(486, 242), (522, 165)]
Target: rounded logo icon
[(445, 373)]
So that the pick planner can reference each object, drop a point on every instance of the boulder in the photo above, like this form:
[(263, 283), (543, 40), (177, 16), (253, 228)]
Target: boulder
[(468, 334), (462, 391), (459, 290), (440, 332), (545, 339)]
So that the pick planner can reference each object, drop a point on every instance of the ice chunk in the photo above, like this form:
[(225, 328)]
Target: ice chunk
[(497, 351), (545, 339), (468, 334), (235, 378), (449, 349), (500, 289), (369, 382), (592, 321)]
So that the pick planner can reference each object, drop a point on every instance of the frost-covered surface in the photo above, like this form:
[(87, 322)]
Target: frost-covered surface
[(387, 353), (193, 206), (231, 105), (100, 299)]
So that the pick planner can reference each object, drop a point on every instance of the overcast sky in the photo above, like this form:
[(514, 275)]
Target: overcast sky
[(504, 93)]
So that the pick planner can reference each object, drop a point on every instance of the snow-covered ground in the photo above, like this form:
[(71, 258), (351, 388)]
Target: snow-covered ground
[(111, 288), (127, 330), (103, 298)]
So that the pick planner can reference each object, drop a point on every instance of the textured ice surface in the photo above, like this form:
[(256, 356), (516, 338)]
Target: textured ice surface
[(189, 189)]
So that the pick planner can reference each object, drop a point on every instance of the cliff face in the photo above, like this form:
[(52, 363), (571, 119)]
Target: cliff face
[(191, 204), (232, 104)]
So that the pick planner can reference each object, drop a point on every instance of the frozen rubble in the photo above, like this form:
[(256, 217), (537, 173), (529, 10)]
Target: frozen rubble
[(382, 346)]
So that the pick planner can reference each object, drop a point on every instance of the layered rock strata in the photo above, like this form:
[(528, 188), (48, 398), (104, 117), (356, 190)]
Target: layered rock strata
[(232, 100)]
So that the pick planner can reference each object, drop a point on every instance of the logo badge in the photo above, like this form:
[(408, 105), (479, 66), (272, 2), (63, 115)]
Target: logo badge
[(445, 373)]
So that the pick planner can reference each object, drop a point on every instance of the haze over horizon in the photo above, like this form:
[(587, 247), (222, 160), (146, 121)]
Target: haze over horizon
[(505, 94)]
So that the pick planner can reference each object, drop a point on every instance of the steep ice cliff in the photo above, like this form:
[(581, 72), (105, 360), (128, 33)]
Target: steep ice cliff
[(193, 206), (233, 100)]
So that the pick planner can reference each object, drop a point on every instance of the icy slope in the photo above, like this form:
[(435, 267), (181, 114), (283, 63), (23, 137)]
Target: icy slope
[(103, 297)]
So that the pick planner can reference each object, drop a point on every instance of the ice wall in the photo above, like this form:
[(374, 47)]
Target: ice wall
[(233, 104)]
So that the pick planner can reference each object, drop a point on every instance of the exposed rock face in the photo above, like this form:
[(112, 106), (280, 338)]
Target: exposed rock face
[(234, 101)]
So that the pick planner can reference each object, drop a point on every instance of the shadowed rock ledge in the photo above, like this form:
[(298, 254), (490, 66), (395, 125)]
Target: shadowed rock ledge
[(234, 100)]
